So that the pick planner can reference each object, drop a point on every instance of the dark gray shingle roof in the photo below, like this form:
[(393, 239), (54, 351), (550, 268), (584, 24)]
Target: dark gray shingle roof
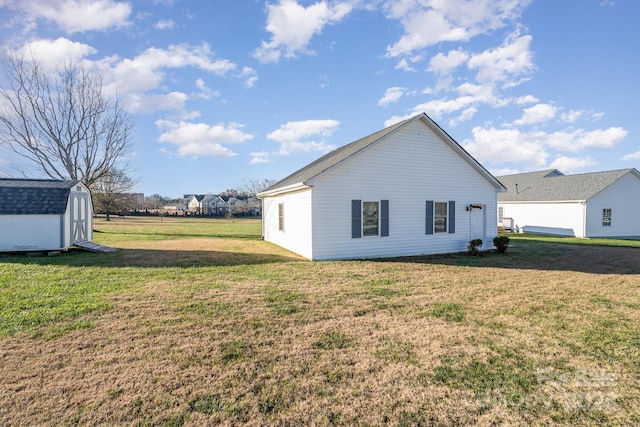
[(551, 185), (34, 196), (338, 155)]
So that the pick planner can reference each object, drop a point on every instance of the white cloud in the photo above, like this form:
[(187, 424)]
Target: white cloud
[(134, 78), (527, 99), (52, 54), (149, 103), (260, 157), (580, 139), (428, 22), (632, 156), (165, 24), (250, 77), (537, 114), (507, 63), (74, 16), (572, 116), (495, 146), (571, 164), (444, 64), (197, 139), (292, 26), (205, 92), (391, 95), (300, 136), (403, 65)]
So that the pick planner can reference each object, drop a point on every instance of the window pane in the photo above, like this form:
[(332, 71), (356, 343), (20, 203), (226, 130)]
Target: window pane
[(370, 218), (440, 217), (606, 217), (281, 216)]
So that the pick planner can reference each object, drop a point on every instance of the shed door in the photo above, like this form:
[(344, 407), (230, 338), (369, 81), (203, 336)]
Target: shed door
[(79, 217), (476, 226)]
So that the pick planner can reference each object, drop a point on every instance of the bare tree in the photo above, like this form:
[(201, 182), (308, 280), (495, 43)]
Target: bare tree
[(252, 187), (62, 122), (112, 192)]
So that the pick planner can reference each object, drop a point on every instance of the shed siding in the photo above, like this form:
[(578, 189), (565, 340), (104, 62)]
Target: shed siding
[(296, 236), (563, 219), (623, 198), (408, 168), (30, 232)]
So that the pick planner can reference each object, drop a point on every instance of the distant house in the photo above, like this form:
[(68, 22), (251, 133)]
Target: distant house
[(597, 204), (193, 202), (409, 189), (40, 215)]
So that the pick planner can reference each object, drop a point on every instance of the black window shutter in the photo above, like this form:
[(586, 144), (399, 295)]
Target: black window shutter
[(384, 211), (452, 216), (429, 220), (356, 219)]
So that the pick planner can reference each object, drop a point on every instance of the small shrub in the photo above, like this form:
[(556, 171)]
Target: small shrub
[(501, 243), (474, 246)]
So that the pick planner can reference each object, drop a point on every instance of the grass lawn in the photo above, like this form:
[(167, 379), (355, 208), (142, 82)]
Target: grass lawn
[(199, 322)]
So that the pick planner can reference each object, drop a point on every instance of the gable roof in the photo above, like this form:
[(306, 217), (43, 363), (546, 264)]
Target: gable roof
[(34, 196), (301, 177), (551, 185)]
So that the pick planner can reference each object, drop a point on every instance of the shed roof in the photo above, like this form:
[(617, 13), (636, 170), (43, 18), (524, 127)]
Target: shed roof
[(551, 185), (329, 160), (34, 196)]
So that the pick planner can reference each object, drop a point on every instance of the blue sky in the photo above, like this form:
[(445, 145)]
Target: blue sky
[(227, 91)]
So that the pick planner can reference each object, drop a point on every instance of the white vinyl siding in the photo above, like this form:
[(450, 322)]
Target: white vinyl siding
[(623, 198), (406, 168), (297, 214), (561, 219)]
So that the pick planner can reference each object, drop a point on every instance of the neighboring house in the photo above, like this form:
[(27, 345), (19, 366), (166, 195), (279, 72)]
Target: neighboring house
[(409, 189), (194, 204), (216, 204), (597, 204), (41, 215)]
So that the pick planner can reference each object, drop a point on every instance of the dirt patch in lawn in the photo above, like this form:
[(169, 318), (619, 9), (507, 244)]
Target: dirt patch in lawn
[(287, 342)]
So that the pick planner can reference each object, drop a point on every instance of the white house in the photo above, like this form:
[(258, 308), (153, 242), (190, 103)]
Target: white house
[(42, 215), (409, 189), (597, 204)]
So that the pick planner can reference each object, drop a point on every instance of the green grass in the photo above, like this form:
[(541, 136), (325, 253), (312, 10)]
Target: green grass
[(237, 331)]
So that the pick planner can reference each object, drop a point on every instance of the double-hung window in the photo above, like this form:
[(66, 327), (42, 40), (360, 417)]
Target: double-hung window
[(280, 216), (440, 217), (606, 217), (369, 218)]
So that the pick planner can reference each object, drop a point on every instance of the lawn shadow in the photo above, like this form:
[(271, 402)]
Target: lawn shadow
[(152, 258), (543, 256)]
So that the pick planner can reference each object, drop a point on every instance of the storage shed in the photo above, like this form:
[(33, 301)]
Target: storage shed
[(409, 189), (43, 214)]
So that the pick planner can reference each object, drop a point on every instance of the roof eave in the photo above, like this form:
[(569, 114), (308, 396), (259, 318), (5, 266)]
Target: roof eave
[(281, 190)]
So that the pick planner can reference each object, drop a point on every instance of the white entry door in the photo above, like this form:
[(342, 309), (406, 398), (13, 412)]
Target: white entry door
[(477, 224), (79, 217)]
